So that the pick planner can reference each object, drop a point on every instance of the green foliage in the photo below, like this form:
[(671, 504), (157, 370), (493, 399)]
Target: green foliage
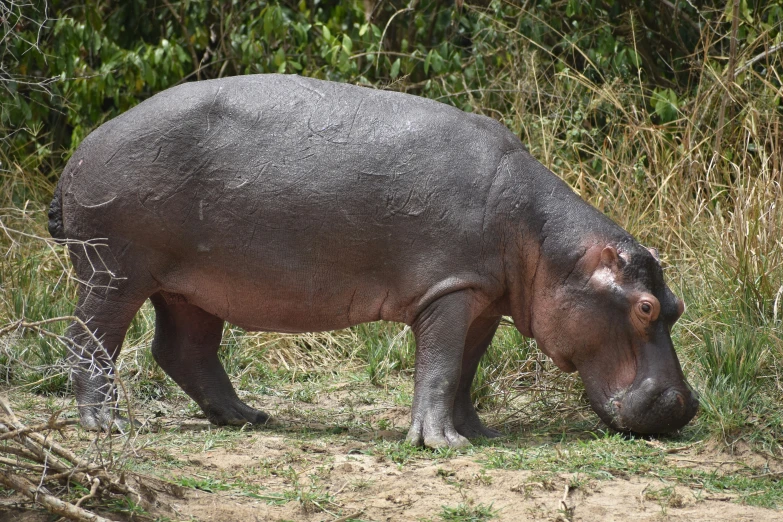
[(73, 65), (734, 363), (665, 103)]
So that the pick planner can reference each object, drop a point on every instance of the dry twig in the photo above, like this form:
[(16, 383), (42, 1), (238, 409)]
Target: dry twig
[(38, 461)]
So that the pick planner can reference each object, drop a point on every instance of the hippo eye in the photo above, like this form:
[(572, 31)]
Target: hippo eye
[(647, 309)]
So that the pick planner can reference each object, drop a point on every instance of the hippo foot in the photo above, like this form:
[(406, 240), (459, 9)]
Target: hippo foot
[(106, 419), (467, 421), (475, 429), (237, 415), (436, 437)]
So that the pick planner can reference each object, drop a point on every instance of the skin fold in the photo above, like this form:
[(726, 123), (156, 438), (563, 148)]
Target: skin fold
[(281, 203)]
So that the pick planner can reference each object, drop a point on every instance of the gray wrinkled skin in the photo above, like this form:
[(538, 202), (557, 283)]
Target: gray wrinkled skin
[(282, 203)]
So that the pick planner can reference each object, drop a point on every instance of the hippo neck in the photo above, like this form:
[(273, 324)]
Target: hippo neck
[(552, 227)]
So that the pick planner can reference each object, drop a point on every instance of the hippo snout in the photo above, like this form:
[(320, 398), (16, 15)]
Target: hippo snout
[(654, 407)]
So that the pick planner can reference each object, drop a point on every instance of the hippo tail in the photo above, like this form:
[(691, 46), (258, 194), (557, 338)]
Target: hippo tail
[(56, 229)]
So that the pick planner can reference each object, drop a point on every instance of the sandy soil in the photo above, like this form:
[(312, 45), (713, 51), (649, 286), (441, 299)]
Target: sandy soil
[(381, 491)]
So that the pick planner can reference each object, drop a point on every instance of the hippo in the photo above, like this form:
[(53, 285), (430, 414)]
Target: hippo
[(290, 204)]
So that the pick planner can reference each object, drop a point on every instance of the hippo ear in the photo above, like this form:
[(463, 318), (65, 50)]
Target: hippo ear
[(654, 253), (611, 259), (607, 271)]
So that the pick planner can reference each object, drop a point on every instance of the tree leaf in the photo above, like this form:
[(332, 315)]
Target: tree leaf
[(395, 68), (665, 104)]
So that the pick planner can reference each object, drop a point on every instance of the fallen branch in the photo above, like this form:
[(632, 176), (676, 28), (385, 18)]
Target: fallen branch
[(50, 502), (96, 482), (38, 427), (37, 459)]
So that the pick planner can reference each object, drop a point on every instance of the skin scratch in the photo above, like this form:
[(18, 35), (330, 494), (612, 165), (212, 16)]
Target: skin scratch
[(97, 205), (254, 178), (212, 105), (350, 304), (258, 119), (353, 120), (112, 156)]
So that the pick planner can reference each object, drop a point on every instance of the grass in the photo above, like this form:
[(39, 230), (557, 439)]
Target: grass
[(615, 456), (468, 513)]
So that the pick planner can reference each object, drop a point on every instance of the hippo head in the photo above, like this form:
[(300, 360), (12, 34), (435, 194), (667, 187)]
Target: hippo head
[(610, 318)]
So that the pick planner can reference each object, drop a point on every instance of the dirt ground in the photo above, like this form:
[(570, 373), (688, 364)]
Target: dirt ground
[(367, 489), (312, 464)]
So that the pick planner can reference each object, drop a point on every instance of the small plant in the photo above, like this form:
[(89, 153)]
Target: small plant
[(482, 478), (398, 452), (305, 394), (127, 507), (468, 513), (666, 497), (311, 497)]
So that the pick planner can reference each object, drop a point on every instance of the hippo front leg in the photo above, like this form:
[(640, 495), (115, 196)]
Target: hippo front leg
[(440, 331), (466, 420)]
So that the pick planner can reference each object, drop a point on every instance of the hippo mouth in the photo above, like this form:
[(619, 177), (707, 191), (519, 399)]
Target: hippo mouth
[(651, 408)]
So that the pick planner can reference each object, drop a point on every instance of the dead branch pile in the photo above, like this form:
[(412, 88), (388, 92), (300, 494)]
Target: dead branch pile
[(39, 468)]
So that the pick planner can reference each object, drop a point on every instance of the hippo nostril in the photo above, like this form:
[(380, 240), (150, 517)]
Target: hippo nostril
[(672, 399)]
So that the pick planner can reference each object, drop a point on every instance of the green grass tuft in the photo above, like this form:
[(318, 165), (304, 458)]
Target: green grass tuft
[(468, 513)]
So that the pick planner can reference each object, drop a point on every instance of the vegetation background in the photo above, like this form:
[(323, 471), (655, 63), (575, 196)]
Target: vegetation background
[(666, 115)]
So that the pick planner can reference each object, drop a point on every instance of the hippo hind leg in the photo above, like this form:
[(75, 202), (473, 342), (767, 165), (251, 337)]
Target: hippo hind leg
[(186, 345), (466, 420), (106, 307)]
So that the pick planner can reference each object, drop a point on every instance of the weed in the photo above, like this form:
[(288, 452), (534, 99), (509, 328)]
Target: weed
[(482, 478), (398, 452), (468, 513), (666, 497), (126, 506), (361, 484), (311, 497)]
